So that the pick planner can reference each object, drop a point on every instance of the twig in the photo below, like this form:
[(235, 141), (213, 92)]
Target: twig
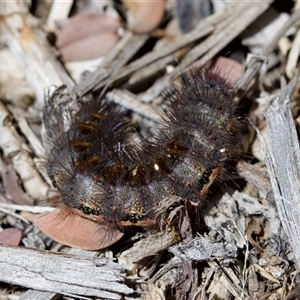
[(61, 273), (29, 45), (283, 163)]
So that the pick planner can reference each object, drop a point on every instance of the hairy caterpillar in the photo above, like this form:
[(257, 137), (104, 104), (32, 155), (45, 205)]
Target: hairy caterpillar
[(101, 176)]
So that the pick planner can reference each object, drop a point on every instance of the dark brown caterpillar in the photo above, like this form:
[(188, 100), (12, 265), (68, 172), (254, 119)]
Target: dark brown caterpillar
[(100, 175)]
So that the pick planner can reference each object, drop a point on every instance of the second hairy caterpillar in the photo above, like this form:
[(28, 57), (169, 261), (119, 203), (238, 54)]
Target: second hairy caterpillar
[(102, 177)]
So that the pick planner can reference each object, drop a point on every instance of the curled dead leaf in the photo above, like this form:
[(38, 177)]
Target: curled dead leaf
[(144, 16), (75, 231)]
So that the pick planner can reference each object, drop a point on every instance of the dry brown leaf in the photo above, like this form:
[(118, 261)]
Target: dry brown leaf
[(11, 236), (87, 36), (75, 231), (89, 48), (226, 67), (144, 16), (83, 25)]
